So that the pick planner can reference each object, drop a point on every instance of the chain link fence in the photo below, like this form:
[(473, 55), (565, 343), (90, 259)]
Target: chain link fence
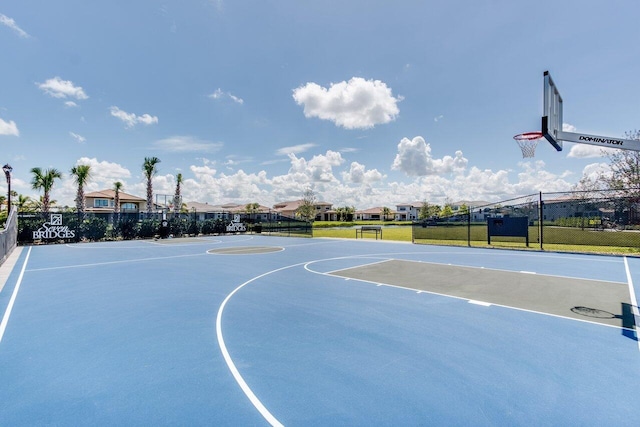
[(8, 236), (604, 221)]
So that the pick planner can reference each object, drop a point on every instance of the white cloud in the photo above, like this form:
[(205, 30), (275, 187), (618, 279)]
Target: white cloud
[(356, 104), (58, 88), (103, 175), (586, 151), (201, 171), (185, 144), (438, 118), (77, 137), (9, 22), (105, 172), (70, 104), (236, 99), (414, 159), (130, 119), (295, 149), (219, 94), (358, 174), (9, 128), (319, 168), (332, 180)]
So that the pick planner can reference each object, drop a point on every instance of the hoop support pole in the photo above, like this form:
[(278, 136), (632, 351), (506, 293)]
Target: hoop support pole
[(601, 141)]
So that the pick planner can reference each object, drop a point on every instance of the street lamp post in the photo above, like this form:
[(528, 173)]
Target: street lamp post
[(7, 173)]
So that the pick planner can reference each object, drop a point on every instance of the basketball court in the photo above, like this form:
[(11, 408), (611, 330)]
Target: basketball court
[(260, 330)]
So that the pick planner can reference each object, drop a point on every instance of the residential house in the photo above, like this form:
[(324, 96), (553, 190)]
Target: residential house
[(288, 209), (408, 211), (225, 212), (373, 214), (104, 202)]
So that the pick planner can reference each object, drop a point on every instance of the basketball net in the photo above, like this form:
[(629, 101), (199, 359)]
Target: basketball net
[(528, 142)]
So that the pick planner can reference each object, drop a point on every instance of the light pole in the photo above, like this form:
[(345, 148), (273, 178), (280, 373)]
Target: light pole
[(7, 173)]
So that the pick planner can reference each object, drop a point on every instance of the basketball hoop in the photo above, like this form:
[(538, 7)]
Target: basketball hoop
[(528, 142)]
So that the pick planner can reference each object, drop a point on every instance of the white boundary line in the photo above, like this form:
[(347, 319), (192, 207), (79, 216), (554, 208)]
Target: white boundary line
[(634, 301), (7, 313)]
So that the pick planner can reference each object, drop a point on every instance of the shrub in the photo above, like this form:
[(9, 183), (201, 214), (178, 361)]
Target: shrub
[(93, 229), (148, 228)]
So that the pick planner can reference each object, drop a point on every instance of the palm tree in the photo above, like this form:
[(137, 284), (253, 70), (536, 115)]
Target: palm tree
[(23, 202), (386, 212), (81, 175), (149, 168), (44, 180), (177, 202), (117, 187), (252, 209)]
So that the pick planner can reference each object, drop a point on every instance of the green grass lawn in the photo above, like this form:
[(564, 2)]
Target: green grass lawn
[(565, 239)]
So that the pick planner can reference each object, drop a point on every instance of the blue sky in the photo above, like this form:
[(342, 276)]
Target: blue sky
[(367, 103)]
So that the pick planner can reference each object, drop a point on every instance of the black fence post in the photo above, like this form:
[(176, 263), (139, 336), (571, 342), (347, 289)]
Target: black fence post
[(540, 221), (469, 227)]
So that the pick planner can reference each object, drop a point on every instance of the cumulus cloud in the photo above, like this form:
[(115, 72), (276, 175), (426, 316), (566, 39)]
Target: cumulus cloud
[(319, 168), (414, 159), (358, 174), (595, 171), (103, 175), (9, 128), (10, 23), (130, 119), (186, 144), (105, 172), (356, 104), (586, 151), (58, 88)]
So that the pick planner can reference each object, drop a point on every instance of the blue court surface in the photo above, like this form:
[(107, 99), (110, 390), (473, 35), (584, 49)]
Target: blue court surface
[(259, 330)]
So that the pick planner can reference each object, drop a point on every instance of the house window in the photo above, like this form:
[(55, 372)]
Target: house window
[(128, 206), (101, 203)]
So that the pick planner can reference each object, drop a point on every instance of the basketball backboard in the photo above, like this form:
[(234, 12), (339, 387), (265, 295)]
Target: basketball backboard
[(552, 124), (552, 112)]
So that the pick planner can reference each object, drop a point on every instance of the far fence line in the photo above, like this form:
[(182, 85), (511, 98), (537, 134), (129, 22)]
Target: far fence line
[(604, 221)]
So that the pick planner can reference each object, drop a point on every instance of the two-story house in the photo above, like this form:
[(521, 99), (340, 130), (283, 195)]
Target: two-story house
[(104, 202)]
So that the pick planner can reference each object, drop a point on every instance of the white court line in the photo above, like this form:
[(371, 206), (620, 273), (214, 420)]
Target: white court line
[(96, 264), (634, 301), (7, 313), (482, 303), (227, 357), (332, 272)]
